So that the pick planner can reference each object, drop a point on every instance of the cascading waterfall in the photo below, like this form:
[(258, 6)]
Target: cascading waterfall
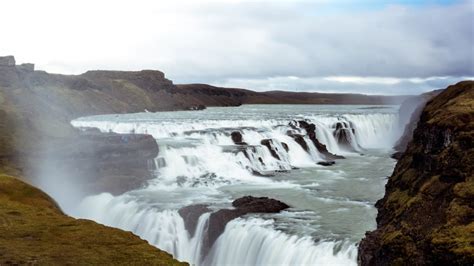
[(198, 162), (244, 242), (203, 144), (254, 242), (164, 229)]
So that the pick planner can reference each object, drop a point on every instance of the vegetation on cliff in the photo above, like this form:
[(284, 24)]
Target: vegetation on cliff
[(33, 230), (427, 215)]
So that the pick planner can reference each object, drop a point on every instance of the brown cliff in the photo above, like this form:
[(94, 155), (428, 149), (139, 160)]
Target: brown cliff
[(427, 214)]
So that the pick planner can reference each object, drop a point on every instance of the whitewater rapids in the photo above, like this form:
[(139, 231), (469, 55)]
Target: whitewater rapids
[(331, 207)]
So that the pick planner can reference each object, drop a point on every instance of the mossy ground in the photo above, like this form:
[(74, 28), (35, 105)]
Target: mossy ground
[(33, 230), (426, 216)]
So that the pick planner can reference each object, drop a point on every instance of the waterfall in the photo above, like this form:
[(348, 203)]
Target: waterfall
[(162, 228), (251, 241), (199, 163), (254, 242), (202, 148)]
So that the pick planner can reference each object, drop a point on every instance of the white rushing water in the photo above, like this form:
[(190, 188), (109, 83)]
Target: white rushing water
[(331, 207)]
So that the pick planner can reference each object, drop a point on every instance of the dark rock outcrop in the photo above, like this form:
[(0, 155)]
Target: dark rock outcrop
[(326, 163), (237, 138), (273, 150), (343, 133), (191, 216), (427, 214), (285, 146), (7, 61), (409, 115), (311, 133), (197, 107), (300, 140), (219, 219), (96, 162), (27, 67)]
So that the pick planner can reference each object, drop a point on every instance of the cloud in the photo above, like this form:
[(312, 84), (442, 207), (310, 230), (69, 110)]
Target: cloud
[(364, 85), (213, 41)]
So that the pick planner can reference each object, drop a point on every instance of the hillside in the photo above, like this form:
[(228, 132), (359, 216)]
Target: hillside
[(36, 137), (217, 96), (426, 216), (33, 230)]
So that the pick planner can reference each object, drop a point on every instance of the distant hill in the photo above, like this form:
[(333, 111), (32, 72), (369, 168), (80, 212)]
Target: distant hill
[(217, 96)]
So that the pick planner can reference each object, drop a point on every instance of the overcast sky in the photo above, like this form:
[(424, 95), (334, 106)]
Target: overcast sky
[(367, 46)]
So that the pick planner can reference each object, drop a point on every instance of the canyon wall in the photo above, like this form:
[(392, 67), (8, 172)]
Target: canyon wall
[(427, 214)]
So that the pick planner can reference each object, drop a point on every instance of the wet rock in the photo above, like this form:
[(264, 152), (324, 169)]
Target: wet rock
[(327, 163), (251, 204), (191, 216), (397, 155), (311, 133), (248, 204), (409, 115), (344, 133), (197, 107), (273, 150), (99, 162), (237, 138), (344, 139), (285, 146), (262, 173), (300, 140)]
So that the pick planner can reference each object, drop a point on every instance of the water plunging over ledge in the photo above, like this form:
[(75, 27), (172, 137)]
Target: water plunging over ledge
[(331, 206)]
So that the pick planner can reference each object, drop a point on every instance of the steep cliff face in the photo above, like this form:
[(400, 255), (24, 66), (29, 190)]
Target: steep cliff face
[(409, 115), (427, 214)]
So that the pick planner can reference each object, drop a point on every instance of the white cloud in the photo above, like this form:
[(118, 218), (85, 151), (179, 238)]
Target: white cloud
[(365, 85), (365, 80), (211, 41)]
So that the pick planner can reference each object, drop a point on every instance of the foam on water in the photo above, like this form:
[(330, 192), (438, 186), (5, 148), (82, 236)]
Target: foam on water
[(197, 159), (255, 242)]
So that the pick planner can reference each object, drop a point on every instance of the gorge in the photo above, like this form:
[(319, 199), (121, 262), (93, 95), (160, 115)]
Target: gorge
[(180, 180)]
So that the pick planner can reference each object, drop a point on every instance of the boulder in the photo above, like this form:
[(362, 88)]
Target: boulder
[(248, 204), (327, 163), (237, 138)]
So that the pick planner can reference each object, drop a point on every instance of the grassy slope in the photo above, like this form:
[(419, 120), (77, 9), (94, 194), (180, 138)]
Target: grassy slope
[(34, 230)]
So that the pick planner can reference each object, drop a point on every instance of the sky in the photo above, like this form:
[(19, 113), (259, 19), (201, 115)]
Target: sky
[(366, 46)]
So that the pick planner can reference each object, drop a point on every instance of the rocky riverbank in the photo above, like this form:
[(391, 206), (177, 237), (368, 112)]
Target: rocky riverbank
[(427, 215)]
